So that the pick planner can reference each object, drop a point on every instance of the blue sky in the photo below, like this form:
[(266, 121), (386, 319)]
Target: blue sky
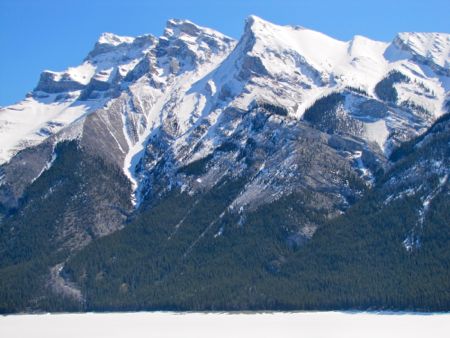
[(54, 34)]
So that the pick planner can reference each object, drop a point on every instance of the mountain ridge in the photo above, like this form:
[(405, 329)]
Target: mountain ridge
[(250, 19)]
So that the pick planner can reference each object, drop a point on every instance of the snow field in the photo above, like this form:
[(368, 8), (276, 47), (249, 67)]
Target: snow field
[(218, 325)]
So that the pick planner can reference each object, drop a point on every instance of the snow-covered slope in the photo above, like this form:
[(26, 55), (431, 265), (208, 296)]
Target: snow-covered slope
[(137, 99), (33, 120), (433, 47)]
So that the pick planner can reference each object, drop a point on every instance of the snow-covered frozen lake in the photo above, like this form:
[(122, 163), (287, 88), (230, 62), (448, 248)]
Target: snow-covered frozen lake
[(217, 325)]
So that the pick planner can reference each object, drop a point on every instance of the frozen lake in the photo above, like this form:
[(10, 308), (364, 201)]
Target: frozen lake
[(217, 325)]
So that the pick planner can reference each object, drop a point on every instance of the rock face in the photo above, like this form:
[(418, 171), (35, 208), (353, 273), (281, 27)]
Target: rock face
[(285, 113), (55, 83)]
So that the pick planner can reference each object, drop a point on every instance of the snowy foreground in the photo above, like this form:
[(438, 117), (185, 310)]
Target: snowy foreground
[(164, 324)]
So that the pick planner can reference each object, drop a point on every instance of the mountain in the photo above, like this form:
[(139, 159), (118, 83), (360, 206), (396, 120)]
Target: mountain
[(192, 171)]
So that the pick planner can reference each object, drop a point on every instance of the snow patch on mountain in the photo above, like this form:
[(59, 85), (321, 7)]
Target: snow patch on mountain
[(377, 132)]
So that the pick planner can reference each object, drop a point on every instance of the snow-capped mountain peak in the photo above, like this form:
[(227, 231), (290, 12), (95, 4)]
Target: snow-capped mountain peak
[(186, 36), (255, 23), (177, 28), (113, 39), (308, 43)]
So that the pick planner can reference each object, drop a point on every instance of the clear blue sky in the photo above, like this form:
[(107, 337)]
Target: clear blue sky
[(54, 34)]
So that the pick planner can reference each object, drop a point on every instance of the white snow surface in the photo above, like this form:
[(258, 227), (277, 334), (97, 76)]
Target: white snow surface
[(31, 121), (377, 132), (218, 325)]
